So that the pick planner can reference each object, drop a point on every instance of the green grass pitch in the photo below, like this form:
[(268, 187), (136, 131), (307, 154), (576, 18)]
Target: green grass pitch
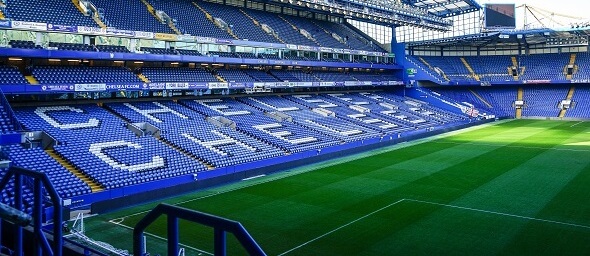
[(511, 188)]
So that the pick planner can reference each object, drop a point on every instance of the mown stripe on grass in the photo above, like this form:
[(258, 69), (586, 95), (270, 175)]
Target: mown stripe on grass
[(522, 191), (442, 186)]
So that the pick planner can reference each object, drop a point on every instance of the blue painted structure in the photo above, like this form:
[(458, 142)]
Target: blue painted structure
[(41, 184), (220, 225)]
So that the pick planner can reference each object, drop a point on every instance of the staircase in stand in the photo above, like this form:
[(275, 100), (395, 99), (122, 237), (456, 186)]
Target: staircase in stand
[(519, 97), (220, 79), (210, 18), (31, 79), (143, 78), (174, 28), (471, 71), (572, 64), (570, 95), (297, 29), (518, 68), (257, 23), (98, 21), (77, 4), (151, 9), (186, 153), (322, 28), (515, 65), (94, 186), (442, 73), (481, 98)]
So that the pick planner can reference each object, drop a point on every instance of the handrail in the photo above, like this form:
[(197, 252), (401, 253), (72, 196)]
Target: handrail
[(425, 70), (42, 246), (220, 225)]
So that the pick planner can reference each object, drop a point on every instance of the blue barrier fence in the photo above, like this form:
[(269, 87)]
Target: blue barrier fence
[(220, 226), (40, 183)]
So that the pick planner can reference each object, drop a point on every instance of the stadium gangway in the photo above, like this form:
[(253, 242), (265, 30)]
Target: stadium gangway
[(42, 245), (220, 227), (4, 102)]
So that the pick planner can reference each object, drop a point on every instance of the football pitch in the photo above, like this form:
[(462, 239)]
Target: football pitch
[(520, 187)]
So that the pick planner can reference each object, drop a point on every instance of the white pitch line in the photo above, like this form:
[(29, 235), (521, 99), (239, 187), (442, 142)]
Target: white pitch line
[(341, 227), (576, 123), (501, 213), (508, 146), (433, 203), (254, 177), (164, 239)]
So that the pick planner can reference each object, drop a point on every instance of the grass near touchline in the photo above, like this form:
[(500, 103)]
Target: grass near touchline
[(520, 187)]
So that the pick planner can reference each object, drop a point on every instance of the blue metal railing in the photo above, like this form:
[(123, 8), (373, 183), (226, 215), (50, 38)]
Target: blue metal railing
[(40, 181), (220, 227)]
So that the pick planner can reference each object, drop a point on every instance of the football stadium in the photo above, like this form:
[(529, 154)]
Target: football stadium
[(294, 127)]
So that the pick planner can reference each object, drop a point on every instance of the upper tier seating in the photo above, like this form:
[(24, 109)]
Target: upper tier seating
[(355, 40), (134, 15), (452, 66), (190, 18), (24, 44), (73, 47), (364, 76), (189, 52), (495, 68), (61, 12), (241, 25), (231, 75), (491, 68), (323, 38), (583, 66), (288, 57), (544, 66), (269, 56), (131, 15), (162, 51), (111, 48), (285, 31), (223, 54), (83, 75), (177, 75), (333, 76), (261, 76), (294, 76), (11, 75)]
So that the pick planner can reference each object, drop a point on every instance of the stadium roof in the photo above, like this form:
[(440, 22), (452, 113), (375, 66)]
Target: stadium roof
[(563, 37), (446, 8)]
